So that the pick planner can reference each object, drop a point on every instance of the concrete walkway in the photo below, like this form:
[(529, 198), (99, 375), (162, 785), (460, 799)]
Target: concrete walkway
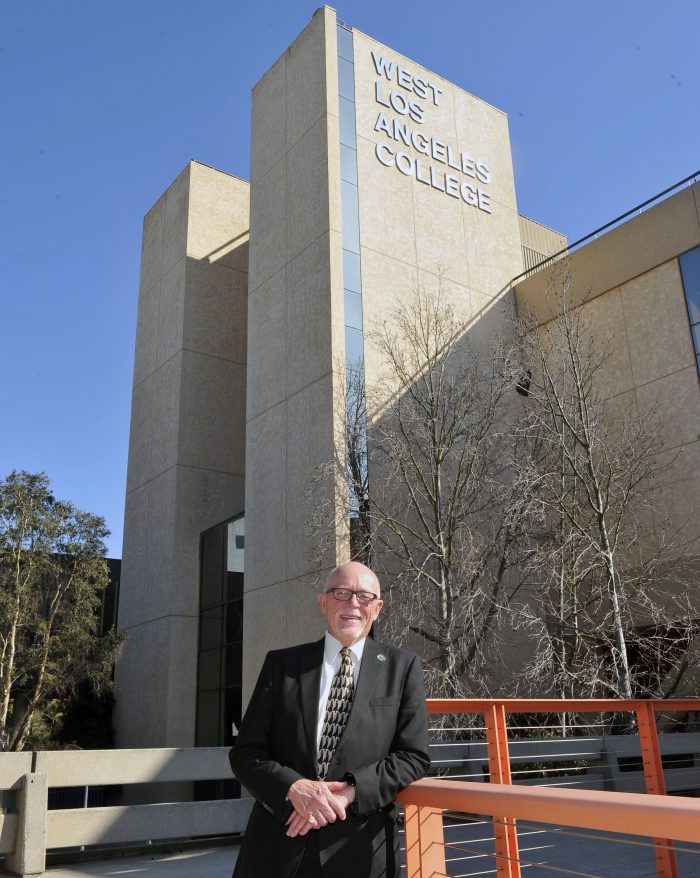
[(205, 863), (548, 852)]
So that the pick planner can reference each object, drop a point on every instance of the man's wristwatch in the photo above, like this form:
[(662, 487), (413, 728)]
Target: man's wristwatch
[(350, 779)]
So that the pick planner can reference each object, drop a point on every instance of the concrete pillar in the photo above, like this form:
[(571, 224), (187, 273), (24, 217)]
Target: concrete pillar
[(29, 855)]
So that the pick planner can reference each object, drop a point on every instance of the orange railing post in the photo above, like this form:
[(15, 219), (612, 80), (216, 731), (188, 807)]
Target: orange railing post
[(504, 831), (666, 866), (424, 841)]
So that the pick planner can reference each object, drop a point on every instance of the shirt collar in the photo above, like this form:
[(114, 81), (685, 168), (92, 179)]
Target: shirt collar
[(332, 647)]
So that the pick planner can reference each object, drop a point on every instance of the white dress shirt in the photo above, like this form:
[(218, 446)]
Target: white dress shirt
[(330, 667)]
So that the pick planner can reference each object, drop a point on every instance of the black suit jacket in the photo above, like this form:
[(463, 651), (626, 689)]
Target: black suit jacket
[(384, 746)]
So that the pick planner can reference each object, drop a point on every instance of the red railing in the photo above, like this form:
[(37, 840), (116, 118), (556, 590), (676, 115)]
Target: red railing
[(663, 819)]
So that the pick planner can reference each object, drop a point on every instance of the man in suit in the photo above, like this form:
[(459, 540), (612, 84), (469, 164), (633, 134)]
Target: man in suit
[(333, 731)]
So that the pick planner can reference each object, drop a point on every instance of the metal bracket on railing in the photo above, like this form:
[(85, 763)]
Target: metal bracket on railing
[(666, 866)]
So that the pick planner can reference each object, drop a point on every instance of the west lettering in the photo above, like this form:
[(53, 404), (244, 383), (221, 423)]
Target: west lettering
[(384, 67)]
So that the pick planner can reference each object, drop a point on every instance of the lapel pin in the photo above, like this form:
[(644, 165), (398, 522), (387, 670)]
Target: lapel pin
[(381, 657)]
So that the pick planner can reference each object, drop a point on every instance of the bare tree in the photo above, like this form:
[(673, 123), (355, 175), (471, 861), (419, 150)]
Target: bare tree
[(612, 610), (430, 497)]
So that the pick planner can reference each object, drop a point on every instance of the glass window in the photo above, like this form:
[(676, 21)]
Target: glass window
[(208, 719), (219, 668), (354, 350), (233, 656), (353, 309), (232, 713), (696, 337), (351, 271), (348, 164), (212, 566), (234, 621), (234, 586), (346, 79), (210, 628), (346, 109), (210, 669), (690, 270), (351, 219), (345, 43), (235, 531)]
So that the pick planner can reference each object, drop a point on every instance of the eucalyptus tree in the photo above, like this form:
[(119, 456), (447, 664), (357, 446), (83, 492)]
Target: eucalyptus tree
[(52, 573)]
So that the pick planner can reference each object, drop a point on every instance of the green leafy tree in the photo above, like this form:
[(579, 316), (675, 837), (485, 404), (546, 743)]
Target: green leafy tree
[(52, 572)]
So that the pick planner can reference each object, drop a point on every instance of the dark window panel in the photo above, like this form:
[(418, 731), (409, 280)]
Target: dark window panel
[(234, 621), (234, 586), (210, 625), (231, 713), (213, 549), (209, 676), (233, 664), (208, 719)]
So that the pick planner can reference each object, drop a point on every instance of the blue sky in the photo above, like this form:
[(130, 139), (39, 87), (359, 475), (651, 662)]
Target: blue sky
[(104, 101)]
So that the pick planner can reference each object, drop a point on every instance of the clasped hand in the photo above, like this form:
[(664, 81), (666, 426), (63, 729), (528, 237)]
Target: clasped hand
[(325, 801)]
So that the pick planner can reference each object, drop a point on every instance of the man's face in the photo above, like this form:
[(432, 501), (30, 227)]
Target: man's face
[(350, 621)]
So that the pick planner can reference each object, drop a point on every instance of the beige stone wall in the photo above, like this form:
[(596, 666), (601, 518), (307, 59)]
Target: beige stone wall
[(295, 333), (629, 285), (538, 241), (187, 442), (412, 234)]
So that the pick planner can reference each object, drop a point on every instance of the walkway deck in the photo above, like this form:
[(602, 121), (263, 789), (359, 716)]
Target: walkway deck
[(205, 863)]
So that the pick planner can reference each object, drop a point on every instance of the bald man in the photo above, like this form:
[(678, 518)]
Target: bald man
[(334, 729)]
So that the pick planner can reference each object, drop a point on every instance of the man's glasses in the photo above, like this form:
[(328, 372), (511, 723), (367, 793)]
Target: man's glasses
[(365, 598)]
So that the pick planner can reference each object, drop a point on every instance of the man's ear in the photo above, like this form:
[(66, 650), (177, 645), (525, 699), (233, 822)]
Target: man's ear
[(321, 598)]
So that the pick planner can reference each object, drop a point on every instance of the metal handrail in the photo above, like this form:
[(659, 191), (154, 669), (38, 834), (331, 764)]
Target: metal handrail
[(560, 705), (494, 711), (674, 817), (570, 247)]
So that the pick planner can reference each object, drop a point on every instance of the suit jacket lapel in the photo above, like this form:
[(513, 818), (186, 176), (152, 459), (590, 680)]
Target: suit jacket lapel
[(310, 662), (370, 669)]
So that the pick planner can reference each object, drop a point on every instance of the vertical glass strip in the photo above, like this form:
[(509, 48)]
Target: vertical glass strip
[(356, 415), (690, 275)]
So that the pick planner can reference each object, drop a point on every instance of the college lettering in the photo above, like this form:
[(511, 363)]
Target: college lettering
[(403, 133)]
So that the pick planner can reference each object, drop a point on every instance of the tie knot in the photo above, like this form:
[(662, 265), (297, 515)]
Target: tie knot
[(346, 653)]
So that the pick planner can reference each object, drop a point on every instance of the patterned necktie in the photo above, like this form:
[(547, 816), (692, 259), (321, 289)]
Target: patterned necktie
[(337, 712)]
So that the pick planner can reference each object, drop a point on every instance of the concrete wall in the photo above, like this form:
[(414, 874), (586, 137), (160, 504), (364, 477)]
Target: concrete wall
[(538, 241), (411, 234), (295, 330), (629, 285), (187, 442)]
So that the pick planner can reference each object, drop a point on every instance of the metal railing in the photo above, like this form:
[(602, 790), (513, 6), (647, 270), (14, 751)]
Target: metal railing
[(689, 180), (637, 814), (424, 821), (29, 828)]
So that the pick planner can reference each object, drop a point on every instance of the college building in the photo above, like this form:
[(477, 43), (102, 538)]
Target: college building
[(370, 177)]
